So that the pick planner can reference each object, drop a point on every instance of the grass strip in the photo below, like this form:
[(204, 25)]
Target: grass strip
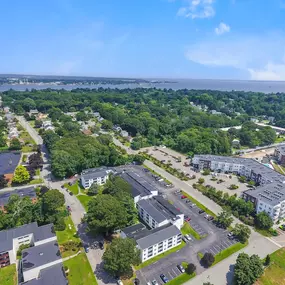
[(198, 204), (187, 229), (229, 251)]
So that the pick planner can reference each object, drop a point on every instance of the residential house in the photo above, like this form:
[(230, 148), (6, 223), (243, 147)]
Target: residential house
[(23, 192), (8, 163), (124, 134), (236, 143)]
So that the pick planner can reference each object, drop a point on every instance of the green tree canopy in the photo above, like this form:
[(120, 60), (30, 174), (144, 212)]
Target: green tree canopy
[(119, 257), (21, 175), (263, 221), (242, 232)]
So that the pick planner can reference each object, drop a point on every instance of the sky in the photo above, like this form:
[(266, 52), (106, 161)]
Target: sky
[(208, 39)]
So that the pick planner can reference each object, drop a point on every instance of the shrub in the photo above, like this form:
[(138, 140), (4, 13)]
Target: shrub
[(191, 268), (208, 259)]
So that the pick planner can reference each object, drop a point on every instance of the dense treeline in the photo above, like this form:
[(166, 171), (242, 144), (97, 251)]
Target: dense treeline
[(74, 152), (167, 117)]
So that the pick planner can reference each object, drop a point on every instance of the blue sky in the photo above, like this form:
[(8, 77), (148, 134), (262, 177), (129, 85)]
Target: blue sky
[(230, 39)]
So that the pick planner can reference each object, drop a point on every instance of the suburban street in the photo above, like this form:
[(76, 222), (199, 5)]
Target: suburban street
[(77, 210)]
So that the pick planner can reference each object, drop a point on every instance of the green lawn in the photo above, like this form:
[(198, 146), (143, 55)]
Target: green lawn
[(184, 277), (73, 188), (201, 206), (265, 233), (158, 257), (229, 251), (80, 271), (274, 274), (84, 199), (187, 229), (36, 181), (69, 233), (8, 275)]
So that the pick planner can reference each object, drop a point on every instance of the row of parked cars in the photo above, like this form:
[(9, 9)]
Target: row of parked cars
[(164, 278)]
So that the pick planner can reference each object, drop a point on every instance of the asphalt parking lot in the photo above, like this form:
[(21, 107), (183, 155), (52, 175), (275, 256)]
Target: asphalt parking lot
[(167, 155), (213, 239)]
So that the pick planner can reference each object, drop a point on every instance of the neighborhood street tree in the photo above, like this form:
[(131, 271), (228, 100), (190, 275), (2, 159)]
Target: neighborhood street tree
[(224, 219), (106, 214), (21, 175), (247, 269), (263, 221), (242, 232), (119, 257)]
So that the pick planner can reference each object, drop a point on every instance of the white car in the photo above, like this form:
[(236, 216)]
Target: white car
[(119, 282), (188, 237)]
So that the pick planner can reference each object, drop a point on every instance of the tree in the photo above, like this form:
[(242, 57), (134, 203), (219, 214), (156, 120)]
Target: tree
[(206, 171), (263, 221), (191, 268), (93, 190), (3, 181), (2, 140), (43, 190), (267, 260), (21, 175), (242, 232), (107, 125), (201, 180), (247, 269), (38, 123), (52, 200), (106, 214), (119, 257), (224, 219), (208, 259), (15, 144), (139, 159)]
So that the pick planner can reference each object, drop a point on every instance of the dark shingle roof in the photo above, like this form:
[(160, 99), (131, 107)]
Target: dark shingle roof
[(149, 238), (9, 162), (40, 233), (39, 255), (53, 275), (94, 173), (24, 192)]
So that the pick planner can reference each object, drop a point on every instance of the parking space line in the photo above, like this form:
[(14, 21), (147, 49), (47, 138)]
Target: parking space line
[(175, 273), (212, 251), (171, 277)]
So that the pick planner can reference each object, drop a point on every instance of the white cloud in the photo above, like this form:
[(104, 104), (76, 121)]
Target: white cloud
[(222, 28), (262, 57), (197, 9)]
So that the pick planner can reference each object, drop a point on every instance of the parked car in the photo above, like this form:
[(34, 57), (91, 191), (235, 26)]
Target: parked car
[(136, 281), (119, 282), (183, 197), (154, 282), (187, 219), (86, 248), (184, 239), (187, 201), (192, 205), (282, 227), (230, 235), (164, 278), (181, 268), (70, 193), (201, 211), (206, 216), (68, 208), (188, 237), (101, 245), (62, 186)]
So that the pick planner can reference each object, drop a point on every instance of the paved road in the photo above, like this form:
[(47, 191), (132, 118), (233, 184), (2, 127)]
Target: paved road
[(77, 210)]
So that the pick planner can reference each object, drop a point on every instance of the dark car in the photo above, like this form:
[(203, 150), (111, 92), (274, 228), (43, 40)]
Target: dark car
[(70, 193), (136, 281), (201, 211), (187, 219), (68, 208), (86, 247), (62, 186), (164, 278), (101, 245)]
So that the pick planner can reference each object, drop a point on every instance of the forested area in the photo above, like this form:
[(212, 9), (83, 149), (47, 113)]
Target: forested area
[(48, 209), (166, 117)]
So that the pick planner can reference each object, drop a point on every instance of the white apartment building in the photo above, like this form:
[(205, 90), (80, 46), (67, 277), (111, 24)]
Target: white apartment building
[(153, 242), (157, 212), (269, 196), (30, 234), (98, 176)]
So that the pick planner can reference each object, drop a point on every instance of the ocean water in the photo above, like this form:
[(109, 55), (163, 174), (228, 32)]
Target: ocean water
[(175, 84)]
